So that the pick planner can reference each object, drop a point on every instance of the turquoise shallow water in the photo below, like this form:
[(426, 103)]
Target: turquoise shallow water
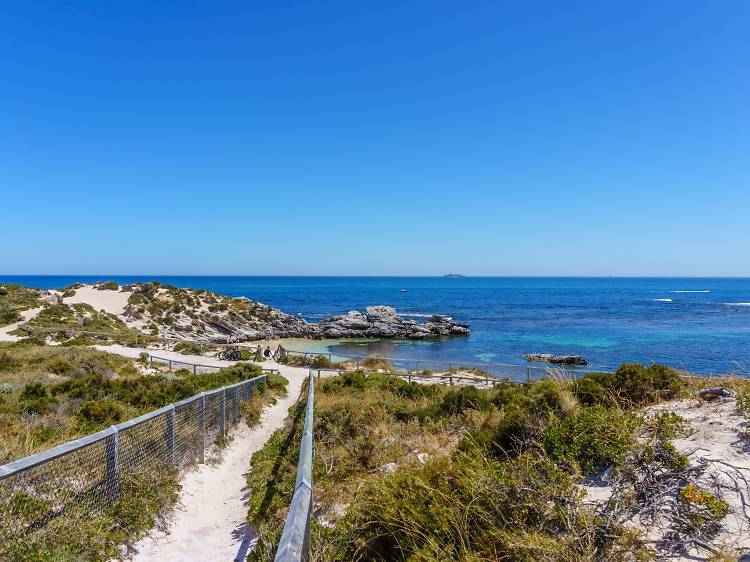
[(699, 324)]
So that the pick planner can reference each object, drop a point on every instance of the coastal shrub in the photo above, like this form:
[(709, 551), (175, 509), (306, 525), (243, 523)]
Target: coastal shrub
[(14, 299), (705, 509), (467, 508), (8, 315), (666, 425), (376, 362), (35, 399), (108, 286), (7, 361), (321, 362), (455, 402), (527, 410), (100, 412), (631, 386), (188, 348), (594, 438), (263, 394)]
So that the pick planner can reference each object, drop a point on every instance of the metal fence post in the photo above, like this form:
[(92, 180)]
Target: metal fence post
[(223, 412), (113, 462), (170, 435), (235, 405), (202, 418)]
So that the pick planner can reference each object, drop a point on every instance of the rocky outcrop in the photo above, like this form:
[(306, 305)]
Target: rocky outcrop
[(383, 322), (557, 359), (200, 315)]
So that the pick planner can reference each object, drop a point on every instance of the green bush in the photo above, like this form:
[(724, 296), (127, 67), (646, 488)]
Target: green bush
[(467, 509), (108, 286), (35, 399), (8, 315), (455, 402), (100, 412), (594, 438), (631, 386), (188, 348), (7, 361)]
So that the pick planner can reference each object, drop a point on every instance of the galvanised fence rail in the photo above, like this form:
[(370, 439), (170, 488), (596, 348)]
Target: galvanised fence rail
[(294, 545), (195, 367), (81, 478)]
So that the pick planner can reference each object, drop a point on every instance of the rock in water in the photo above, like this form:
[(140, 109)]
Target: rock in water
[(557, 359), (383, 322)]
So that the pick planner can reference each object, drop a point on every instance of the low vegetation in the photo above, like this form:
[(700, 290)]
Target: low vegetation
[(53, 394), (409, 472), (14, 299), (59, 393), (264, 393)]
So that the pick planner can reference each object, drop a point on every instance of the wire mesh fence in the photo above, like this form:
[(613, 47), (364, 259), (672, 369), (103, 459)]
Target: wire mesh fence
[(80, 479)]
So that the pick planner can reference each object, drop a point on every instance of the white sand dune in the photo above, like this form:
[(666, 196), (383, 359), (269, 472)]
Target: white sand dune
[(113, 302), (714, 440)]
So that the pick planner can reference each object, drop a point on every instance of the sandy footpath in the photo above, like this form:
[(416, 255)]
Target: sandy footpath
[(26, 316), (134, 352), (210, 520)]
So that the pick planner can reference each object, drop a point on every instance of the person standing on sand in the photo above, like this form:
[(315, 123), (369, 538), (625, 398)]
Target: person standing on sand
[(267, 352)]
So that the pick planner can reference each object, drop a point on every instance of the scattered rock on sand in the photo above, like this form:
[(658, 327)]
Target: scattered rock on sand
[(716, 392)]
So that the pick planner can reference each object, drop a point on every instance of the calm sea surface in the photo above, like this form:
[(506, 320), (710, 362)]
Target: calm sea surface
[(699, 324)]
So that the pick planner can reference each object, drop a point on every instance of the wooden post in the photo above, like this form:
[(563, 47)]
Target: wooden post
[(528, 374), (416, 371), (195, 369), (170, 365), (451, 379)]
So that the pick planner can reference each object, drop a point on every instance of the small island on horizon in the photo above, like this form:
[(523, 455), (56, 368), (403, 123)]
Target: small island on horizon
[(454, 276)]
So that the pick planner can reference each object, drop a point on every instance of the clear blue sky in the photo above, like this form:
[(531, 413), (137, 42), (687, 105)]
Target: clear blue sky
[(507, 138)]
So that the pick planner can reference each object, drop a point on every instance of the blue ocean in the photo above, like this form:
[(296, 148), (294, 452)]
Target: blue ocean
[(699, 324)]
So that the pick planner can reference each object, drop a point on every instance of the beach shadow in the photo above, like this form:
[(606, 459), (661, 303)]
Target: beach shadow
[(272, 484), (247, 535)]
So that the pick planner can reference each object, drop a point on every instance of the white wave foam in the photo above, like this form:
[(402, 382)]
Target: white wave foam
[(663, 300), (737, 303), (421, 315), (702, 291)]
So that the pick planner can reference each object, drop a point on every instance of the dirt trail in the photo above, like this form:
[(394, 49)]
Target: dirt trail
[(26, 315), (209, 523)]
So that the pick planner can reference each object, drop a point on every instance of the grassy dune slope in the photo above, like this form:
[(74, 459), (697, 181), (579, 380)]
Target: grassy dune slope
[(405, 472)]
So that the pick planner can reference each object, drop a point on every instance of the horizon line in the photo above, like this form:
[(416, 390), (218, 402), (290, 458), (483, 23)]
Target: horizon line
[(384, 276)]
